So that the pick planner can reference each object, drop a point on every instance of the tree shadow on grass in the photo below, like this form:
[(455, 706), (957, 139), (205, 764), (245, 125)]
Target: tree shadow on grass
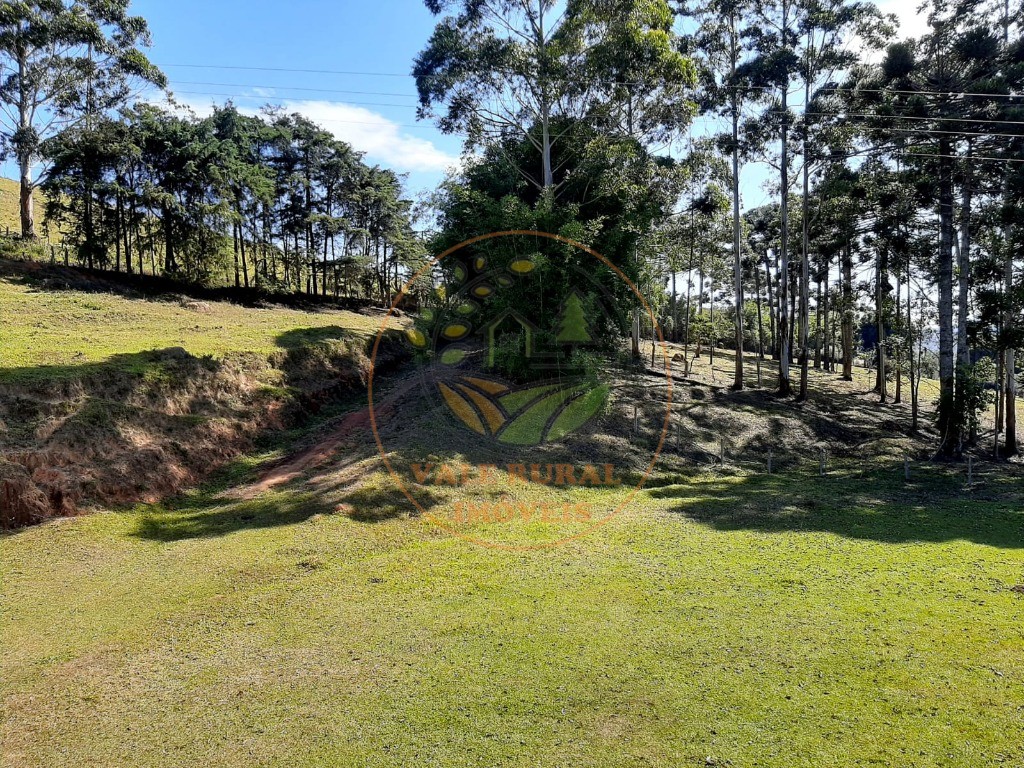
[(206, 516), (933, 507), (376, 505), (43, 276), (298, 338)]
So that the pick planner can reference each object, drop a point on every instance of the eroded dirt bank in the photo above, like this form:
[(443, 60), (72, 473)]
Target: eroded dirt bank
[(141, 429)]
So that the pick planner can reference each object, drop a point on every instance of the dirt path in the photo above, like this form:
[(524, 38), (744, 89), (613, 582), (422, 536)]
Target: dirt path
[(355, 425)]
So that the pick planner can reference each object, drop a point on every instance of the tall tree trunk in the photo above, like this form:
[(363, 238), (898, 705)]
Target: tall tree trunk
[(915, 372), (545, 117), (949, 422), (712, 334), (760, 320), (234, 239), (24, 154), (785, 387), (700, 306), (898, 398), (686, 321), (847, 308), (139, 242), (117, 235), (28, 222), (794, 292), (1010, 407), (241, 251), (169, 263), (1010, 355), (883, 385), (771, 304), (90, 234), (818, 338), (805, 263), (737, 253), (675, 309), (126, 233), (963, 355)]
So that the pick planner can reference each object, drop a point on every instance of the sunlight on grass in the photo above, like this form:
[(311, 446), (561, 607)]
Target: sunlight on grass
[(70, 328), (732, 617)]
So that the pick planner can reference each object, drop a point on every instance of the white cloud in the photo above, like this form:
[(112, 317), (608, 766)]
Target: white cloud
[(381, 139), (912, 24)]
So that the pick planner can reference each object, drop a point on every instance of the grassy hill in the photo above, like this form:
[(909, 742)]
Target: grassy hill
[(294, 610), (106, 397), (10, 208), (51, 333)]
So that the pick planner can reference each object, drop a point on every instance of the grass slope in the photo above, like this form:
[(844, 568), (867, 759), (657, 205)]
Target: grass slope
[(50, 334), (10, 207)]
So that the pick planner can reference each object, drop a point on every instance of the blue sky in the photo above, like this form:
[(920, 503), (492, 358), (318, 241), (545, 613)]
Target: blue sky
[(380, 36), (250, 51)]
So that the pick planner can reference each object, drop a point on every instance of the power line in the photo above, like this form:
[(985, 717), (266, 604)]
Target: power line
[(906, 117), (961, 157), (271, 98), (937, 131), (284, 69), (955, 94), (844, 89), (835, 89), (294, 88)]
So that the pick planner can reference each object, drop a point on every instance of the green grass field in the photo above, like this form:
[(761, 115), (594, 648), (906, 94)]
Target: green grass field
[(724, 620)]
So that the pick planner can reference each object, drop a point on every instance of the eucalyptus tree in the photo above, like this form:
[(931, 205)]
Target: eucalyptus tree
[(508, 71), (825, 28), (632, 76), (720, 45), (498, 66), (61, 62), (494, 68), (775, 36)]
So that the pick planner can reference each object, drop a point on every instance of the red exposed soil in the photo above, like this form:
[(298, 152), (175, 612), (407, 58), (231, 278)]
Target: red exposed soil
[(353, 425), (118, 437)]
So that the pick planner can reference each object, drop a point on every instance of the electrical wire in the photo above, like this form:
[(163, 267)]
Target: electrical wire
[(294, 88), (284, 69)]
